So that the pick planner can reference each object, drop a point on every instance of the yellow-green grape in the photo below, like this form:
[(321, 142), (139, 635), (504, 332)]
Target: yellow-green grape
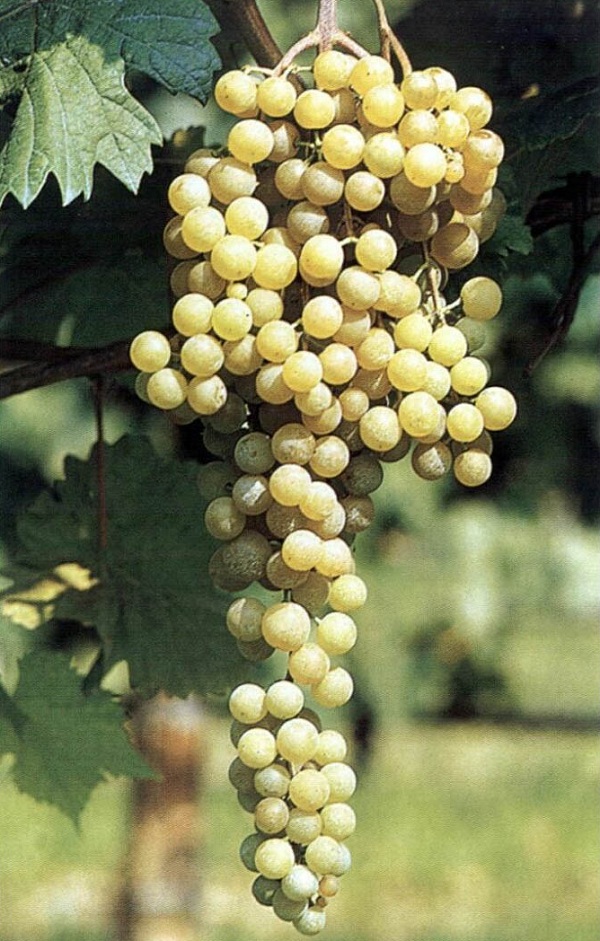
[(314, 109), (334, 690), (483, 149), (498, 408), (202, 355), (303, 826), (223, 520), (469, 203), (305, 220), (380, 429), (270, 385), (413, 332), (167, 388), (370, 71), (173, 240), (233, 258), (383, 105), (337, 632), (265, 304), (418, 228), (203, 279), (187, 191), (335, 558), (293, 443), (241, 356), (297, 741), (247, 703), (319, 500), (332, 69), (275, 96), (464, 422), (206, 396), (231, 319), (407, 370), (243, 619), (469, 376), (322, 258), (418, 414), (288, 178), (472, 467), (474, 103), (253, 453), (347, 593), (286, 625), (275, 268), (309, 664), (481, 298), (200, 162), (284, 700), (419, 127), (447, 346), (364, 191), (339, 821), (150, 351), (231, 178), (257, 748), (251, 494), (192, 313), (399, 295), (286, 137), (246, 216), (250, 141), (376, 350), (354, 403), (323, 184), (274, 780), (274, 858), (280, 575), (277, 340), (425, 165), (431, 461), (410, 198), (309, 790), (437, 380), (322, 316), (289, 484), (330, 457), (235, 92), (445, 83), (301, 550), (452, 129), (383, 155), (271, 815), (343, 146), (420, 90), (312, 594), (311, 921), (342, 781), (376, 250), (357, 288), (479, 179), (455, 246)]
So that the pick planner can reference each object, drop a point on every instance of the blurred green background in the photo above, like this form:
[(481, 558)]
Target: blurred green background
[(477, 663)]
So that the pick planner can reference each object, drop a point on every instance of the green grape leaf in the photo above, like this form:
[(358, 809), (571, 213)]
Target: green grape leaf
[(65, 63), (556, 115), (511, 235), (75, 112), (64, 742), (153, 604)]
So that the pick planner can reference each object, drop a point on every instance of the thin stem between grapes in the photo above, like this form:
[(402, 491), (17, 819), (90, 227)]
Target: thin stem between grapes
[(389, 40)]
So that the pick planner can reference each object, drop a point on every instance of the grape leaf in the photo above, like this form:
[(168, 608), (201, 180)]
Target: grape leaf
[(556, 115), (154, 605), (64, 742), (511, 235), (75, 112), (67, 61)]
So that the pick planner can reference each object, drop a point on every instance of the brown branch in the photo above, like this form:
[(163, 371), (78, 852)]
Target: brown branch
[(102, 509), (388, 39), (55, 364), (255, 32)]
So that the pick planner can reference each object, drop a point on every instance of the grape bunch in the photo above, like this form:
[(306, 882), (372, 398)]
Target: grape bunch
[(317, 335)]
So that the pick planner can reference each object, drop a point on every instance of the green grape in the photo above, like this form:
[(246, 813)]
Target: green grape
[(383, 105), (236, 92), (150, 351), (167, 389), (314, 109), (275, 96)]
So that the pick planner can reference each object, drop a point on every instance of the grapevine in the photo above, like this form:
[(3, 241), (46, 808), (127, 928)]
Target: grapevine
[(317, 335)]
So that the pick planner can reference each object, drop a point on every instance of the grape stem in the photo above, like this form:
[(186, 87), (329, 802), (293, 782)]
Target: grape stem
[(325, 35), (388, 40)]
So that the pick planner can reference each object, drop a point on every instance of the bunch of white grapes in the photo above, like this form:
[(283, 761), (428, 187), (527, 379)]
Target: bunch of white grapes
[(313, 339)]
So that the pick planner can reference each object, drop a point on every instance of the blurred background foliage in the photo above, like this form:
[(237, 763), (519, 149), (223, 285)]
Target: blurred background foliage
[(483, 606)]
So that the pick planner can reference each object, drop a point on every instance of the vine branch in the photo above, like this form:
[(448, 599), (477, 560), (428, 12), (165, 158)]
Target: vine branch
[(46, 364)]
